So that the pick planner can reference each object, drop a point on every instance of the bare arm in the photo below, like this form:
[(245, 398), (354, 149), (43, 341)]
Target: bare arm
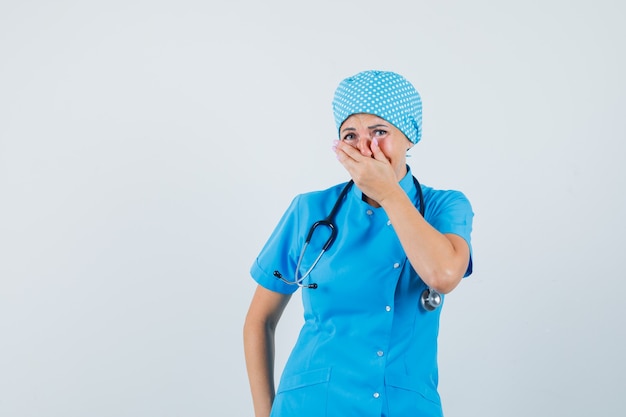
[(258, 340), (440, 259)]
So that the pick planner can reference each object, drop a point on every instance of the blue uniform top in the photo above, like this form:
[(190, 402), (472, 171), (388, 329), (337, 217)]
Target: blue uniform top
[(367, 348)]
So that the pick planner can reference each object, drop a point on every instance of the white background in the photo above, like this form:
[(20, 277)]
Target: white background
[(148, 148)]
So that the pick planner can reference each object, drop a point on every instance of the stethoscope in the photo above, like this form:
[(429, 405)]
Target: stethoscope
[(429, 299)]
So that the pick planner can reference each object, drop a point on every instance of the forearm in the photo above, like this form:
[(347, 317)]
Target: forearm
[(432, 254), (259, 353)]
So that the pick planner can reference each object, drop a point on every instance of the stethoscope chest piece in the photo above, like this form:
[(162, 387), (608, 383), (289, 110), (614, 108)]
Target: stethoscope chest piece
[(430, 299)]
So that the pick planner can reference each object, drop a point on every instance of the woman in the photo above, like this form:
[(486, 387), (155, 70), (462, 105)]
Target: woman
[(368, 346)]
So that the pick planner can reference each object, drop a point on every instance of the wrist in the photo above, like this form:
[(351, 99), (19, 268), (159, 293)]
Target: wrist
[(395, 195)]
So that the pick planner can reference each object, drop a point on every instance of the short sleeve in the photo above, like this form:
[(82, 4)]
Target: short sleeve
[(451, 212), (280, 253)]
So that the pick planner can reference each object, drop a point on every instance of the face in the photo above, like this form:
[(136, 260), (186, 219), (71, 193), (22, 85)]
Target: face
[(359, 130)]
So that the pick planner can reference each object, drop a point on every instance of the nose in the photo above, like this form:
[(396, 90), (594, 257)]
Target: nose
[(363, 145)]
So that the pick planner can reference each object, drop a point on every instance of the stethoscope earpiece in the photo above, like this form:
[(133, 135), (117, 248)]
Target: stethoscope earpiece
[(430, 299)]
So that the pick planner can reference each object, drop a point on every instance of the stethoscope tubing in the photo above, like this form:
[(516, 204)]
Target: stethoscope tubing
[(430, 299), (329, 222)]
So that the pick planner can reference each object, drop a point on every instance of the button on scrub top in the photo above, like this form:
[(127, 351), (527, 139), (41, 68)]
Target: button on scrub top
[(366, 347)]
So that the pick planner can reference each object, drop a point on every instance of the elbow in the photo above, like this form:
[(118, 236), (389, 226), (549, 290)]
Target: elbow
[(443, 281)]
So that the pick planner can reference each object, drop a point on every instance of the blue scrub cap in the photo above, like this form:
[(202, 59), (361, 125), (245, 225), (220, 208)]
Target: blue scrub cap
[(385, 94)]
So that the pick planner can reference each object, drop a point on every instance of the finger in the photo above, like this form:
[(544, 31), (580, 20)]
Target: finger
[(345, 156), (377, 152), (350, 151), (346, 160), (340, 153)]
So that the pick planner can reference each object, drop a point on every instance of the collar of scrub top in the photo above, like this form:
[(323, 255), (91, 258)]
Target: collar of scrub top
[(406, 183)]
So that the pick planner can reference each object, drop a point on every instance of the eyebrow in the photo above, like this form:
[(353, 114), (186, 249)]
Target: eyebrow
[(369, 127)]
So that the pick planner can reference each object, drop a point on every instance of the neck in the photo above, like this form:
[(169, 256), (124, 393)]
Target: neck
[(371, 201)]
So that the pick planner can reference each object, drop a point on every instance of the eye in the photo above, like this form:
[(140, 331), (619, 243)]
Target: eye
[(380, 132), (348, 137)]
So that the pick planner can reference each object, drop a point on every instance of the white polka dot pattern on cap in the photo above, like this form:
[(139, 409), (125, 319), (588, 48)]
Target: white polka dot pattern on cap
[(383, 93)]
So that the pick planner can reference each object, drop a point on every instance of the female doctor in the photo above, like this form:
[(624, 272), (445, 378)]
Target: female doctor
[(372, 299)]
